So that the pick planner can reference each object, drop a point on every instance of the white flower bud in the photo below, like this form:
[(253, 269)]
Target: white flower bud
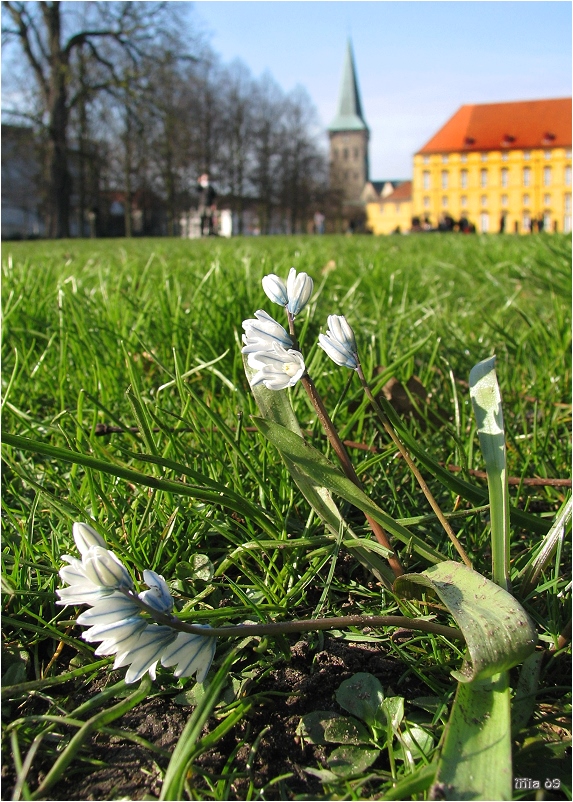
[(85, 537), (339, 342), (275, 289), (299, 290)]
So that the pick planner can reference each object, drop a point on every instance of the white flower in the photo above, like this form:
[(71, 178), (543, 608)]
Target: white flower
[(339, 342), (299, 290), (279, 368), (275, 289), (103, 568), (117, 638), (109, 610), (294, 294), (261, 333), (158, 596), (145, 653), (85, 537), (116, 619), (191, 653), (87, 588)]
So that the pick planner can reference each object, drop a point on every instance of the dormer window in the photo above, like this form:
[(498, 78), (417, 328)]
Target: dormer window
[(548, 138), (507, 141), (469, 141)]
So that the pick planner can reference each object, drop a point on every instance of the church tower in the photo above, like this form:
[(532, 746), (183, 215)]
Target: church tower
[(349, 136)]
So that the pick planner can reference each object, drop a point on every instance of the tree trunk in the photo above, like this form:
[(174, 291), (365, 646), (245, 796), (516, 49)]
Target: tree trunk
[(59, 179)]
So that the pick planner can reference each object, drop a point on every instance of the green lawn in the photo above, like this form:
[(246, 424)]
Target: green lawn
[(144, 335)]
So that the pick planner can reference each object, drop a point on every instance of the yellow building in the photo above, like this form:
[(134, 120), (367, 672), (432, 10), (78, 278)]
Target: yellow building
[(501, 166), (392, 214)]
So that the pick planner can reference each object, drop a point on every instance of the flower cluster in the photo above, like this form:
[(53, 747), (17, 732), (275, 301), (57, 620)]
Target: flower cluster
[(267, 344), (117, 616), (269, 347)]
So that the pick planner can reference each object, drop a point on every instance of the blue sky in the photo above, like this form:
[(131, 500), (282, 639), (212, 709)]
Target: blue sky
[(417, 62)]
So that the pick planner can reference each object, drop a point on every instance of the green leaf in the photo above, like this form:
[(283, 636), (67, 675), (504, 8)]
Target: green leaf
[(361, 695), (324, 726), (349, 761), (498, 632), (486, 402), (414, 743), (476, 757), (316, 466), (275, 406), (393, 707), (199, 567), (415, 783)]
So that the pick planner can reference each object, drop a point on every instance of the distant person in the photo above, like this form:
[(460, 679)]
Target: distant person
[(540, 224), (502, 224), (207, 204), (319, 219)]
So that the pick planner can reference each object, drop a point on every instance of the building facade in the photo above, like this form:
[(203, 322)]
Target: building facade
[(501, 166)]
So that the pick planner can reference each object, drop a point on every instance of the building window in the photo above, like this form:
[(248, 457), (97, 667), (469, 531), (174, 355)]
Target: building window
[(504, 156), (355, 153), (356, 176), (527, 176), (464, 200), (483, 200), (547, 176), (445, 201), (444, 179), (484, 222), (504, 200), (346, 175), (568, 176), (426, 159), (426, 179), (464, 179), (464, 157), (484, 157), (526, 199), (547, 221), (483, 178), (547, 200), (526, 155), (526, 222), (547, 154), (426, 202), (444, 158), (504, 177), (567, 201), (345, 153), (568, 153)]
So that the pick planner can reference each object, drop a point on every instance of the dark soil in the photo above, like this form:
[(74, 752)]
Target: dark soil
[(115, 768)]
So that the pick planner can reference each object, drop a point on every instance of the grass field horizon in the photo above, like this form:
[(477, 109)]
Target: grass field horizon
[(128, 351)]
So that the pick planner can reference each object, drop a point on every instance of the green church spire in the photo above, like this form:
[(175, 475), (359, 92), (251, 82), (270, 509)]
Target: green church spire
[(349, 116)]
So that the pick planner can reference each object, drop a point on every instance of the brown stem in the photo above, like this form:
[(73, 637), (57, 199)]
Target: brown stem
[(342, 453), (305, 625), (421, 481)]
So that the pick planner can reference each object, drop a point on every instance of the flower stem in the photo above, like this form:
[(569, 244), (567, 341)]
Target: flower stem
[(342, 453), (403, 451), (305, 625)]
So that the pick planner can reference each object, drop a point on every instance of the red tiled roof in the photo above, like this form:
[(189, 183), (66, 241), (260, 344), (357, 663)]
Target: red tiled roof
[(493, 126), (403, 192)]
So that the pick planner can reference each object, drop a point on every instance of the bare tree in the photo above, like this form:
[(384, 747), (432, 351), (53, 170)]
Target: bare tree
[(302, 164), (51, 34), (267, 126)]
